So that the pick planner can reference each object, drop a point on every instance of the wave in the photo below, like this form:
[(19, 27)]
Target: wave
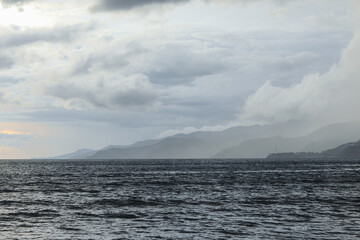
[(126, 202), (41, 213)]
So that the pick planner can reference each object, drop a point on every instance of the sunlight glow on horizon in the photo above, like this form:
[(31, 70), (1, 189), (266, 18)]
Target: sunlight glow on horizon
[(12, 132)]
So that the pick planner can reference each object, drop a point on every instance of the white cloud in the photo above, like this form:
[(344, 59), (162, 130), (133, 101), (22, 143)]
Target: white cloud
[(329, 97)]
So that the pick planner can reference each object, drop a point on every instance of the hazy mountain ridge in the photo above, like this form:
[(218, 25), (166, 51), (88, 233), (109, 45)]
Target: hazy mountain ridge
[(237, 142), (79, 154), (319, 140), (167, 148), (86, 153), (202, 144)]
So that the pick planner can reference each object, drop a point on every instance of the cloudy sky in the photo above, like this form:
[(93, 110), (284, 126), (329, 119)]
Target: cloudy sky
[(89, 73)]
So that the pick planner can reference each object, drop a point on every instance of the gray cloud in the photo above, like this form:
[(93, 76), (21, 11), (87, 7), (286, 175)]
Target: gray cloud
[(114, 56), (26, 36), (8, 81), (5, 62), (97, 93), (110, 60), (165, 63), (124, 5), (121, 5), (99, 61), (235, 66), (9, 3), (181, 64)]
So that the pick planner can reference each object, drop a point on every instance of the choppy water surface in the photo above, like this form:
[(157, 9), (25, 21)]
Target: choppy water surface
[(179, 199)]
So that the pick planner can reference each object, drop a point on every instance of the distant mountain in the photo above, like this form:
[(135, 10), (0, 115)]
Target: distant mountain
[(324, 138), (86, 153), (137, 144), (348, 150), (196, 145), (79, 154), (168, 148), (237, 142)]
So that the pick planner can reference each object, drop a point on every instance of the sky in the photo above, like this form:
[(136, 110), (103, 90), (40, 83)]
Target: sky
[(91, 73)]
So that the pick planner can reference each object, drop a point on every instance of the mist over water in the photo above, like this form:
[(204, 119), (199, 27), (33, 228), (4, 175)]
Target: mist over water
[(180, 199)]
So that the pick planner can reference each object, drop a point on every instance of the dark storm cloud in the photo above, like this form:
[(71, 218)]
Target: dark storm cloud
[(5, 62), (26, 36), (121, 5)]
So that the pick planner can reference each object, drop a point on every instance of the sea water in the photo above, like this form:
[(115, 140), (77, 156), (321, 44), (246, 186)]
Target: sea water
[(180, 199)]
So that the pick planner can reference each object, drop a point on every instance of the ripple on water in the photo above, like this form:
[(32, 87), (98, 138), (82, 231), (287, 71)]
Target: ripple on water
[(180, 199)]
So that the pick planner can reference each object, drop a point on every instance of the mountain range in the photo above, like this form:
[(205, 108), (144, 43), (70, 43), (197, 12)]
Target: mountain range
[(256, 141)]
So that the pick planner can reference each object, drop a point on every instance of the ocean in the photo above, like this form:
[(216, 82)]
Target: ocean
[(180, 199)]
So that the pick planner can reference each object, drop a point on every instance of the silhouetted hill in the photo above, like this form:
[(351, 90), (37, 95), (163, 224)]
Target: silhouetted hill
[(348, 150)]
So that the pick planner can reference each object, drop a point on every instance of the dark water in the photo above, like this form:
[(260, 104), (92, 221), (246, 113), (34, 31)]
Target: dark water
[(180, 199)]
